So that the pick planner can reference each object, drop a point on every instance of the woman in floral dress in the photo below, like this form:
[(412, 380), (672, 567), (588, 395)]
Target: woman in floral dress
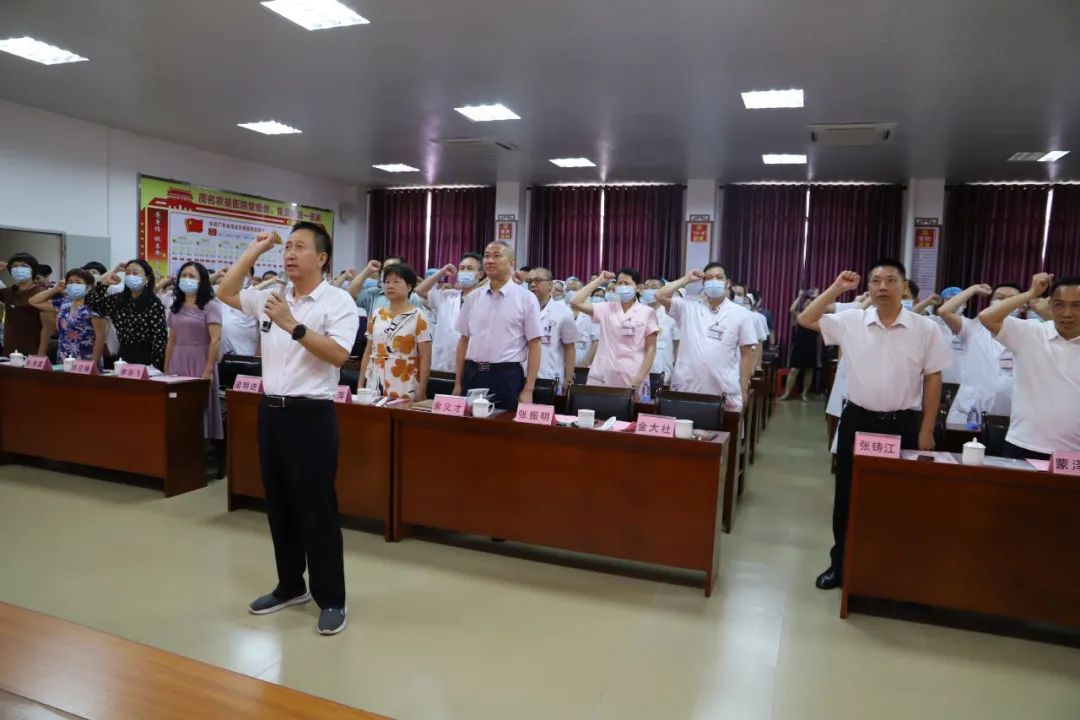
[(80, 332), (397, 358)]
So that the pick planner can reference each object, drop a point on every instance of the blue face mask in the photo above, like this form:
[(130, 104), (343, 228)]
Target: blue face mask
[(598, 299), (648, 296), (715, 288), (76, 291), (21, 273), (739, 300), (369, 283), (134, 282), (908, 304), (466, 278), (626, 293), (188, 285)]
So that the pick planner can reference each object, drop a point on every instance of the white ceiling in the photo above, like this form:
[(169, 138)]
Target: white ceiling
[(649, 89)]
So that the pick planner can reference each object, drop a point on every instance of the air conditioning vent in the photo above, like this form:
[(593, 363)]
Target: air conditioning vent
[(852, 133), (475, 145)]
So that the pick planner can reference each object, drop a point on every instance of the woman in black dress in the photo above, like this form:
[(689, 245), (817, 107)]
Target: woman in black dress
[(805, 355), (137, 314)]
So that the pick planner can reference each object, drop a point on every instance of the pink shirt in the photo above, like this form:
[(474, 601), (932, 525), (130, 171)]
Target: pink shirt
[(499, 323), (621, 351)]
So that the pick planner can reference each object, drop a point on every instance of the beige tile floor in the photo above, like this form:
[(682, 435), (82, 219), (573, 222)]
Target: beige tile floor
[(444, 633)]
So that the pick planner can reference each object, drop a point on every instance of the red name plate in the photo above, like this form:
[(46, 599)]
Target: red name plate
[(83, 367), (133, 372), (343, 394), (1065, 463), (659, 425), (448, 405), (248, 383), (38, 362), (872, 445), (535, 414)]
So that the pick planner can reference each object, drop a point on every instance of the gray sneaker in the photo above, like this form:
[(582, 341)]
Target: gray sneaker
[(332, 621), (272, 603)]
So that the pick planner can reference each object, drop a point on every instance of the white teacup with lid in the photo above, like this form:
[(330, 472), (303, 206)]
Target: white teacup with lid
[(974, 452)]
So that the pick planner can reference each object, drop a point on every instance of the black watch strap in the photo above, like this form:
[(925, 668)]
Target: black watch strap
[(298, 332)]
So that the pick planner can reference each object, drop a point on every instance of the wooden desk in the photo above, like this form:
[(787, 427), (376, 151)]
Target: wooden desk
[(984, 539), (90, 674), (146, 427), (655, 500), (364, 457)]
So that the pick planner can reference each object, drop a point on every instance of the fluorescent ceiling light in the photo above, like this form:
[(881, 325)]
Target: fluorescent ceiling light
[(396, 167), (316, 14), (578, 162), (487, 113), (783, 159), (269, 127), (1038, 156), (39, 52), (768, 99)]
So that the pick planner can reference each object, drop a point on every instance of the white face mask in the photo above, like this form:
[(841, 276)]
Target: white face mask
[(908, 304)]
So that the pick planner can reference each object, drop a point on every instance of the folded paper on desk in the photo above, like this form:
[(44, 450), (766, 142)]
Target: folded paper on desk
[(1040, 465), (169, 379)]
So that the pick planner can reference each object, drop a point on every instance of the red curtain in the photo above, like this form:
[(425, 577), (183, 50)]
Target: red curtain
[(1063, 241), (462, 220), (396, 221), (564, 230), (761, 244), (850, 227), (993, 233), (643, 229)]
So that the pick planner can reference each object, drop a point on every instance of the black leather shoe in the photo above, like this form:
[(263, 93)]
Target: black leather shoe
[(828, 580)]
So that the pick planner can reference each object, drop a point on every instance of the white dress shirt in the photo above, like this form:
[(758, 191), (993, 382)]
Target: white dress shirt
[(838, 394), (987, 375), (445, 305), (710, 351), (955, 372), (1046, 401), (587, 335), (558, 330), (664, 360), (885, 366), (288, 368), (499, 323), (239, 332)]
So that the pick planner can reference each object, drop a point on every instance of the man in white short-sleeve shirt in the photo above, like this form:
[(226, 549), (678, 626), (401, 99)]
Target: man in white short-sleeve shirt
[(445, 304), (307, 332), (1046, 400), (894, 362), (717, 337), (667, 340), (558, 331)]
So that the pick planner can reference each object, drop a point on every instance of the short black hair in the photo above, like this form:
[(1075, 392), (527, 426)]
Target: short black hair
[(471, 256), (525, 268), (739, 284), (271, 273), (323, 243), (44, 270), (1014, 286), (718, 264), (912, 286), (890, 263), (402, 271), (95, 265), (657, 278), (1068, 281), (251, 271), (24, 257), (634, 275), (80, 273)]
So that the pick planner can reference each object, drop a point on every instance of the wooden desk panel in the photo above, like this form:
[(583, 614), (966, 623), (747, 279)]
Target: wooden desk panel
[(982, 539), (364, 457), (93, 675), (653, 500), (138, 426)]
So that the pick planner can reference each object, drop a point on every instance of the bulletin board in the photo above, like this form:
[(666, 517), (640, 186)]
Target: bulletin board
[(179, 222)]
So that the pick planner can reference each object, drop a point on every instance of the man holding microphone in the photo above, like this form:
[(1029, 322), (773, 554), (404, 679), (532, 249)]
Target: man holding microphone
[(307, 330)]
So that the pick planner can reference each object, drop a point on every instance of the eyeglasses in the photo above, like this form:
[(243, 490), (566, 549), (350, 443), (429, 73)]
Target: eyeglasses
[(538, 280)]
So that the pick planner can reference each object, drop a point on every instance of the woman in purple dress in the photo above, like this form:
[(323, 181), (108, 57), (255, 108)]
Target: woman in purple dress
[(194, 321)]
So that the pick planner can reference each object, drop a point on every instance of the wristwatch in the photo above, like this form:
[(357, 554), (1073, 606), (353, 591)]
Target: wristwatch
[(298, 332)]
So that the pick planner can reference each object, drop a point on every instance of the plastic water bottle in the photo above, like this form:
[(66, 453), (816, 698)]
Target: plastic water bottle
[(974, 424)]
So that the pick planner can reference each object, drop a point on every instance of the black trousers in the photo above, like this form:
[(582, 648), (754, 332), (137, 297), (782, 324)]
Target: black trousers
[(855, 419), (504, 380), (298, 449), (1018, 453)]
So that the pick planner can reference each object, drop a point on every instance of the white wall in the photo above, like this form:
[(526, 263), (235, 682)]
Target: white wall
[(65, 175)]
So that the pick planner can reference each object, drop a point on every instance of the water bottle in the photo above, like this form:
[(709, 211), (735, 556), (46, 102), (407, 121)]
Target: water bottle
[(643, 392), (974, 424)]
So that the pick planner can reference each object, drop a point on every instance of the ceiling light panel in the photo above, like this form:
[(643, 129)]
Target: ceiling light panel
[(270, 127), (316, 14), (783, 159), (578, 162), (39, 52), (488, 113), (396, 168), (772, 99)]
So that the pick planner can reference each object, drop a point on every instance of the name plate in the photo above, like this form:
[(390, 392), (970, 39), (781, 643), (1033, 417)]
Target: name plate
[(658, 425), (448, 405), (1065, 463), (871, 445), (37, 362), (83, 367), (248, 383), (133, 372), (535, 414), (343, 394)]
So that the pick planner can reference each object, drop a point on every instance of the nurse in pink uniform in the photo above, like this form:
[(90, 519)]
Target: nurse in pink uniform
[(627, 331)]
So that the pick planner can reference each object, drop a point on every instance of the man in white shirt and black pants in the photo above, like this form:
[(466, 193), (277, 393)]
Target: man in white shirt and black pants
[(894, 362), (307, 331)]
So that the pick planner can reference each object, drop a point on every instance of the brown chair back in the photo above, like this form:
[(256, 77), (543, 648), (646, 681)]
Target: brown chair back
[(605, 401)]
